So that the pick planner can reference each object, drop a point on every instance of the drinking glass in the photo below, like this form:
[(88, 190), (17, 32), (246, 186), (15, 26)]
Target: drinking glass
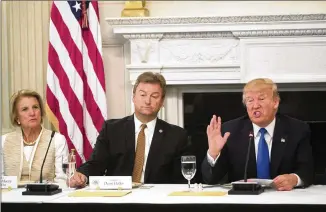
[(188, 167), (69, 167), (64, 164)]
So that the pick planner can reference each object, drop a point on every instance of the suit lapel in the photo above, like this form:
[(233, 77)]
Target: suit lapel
[(129, 130), (246, 130), (154, 150), (278, 145)]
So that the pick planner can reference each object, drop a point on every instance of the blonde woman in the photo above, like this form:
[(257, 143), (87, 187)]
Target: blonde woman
[(24, 149)]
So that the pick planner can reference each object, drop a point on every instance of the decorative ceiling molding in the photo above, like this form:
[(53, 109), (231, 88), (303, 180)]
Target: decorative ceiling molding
[(187, 35), (215, 19), (283, 33), (180, 35), (249, 33), (154, 36), (219, 27)]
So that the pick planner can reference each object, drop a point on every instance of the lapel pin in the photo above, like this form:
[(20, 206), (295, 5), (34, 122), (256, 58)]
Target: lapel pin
[(160, 130), (282, 140)]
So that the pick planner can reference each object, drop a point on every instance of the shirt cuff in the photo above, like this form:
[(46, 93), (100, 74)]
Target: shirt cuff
[(86, 182), (299, 183), (211, 161)]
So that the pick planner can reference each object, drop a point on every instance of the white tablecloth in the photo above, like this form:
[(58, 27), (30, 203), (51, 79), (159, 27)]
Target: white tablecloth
[(15, 196), (159, 194)]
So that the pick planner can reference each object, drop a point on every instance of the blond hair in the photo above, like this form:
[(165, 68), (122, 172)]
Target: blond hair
[(151, 77), (15, 99), (259, 84)]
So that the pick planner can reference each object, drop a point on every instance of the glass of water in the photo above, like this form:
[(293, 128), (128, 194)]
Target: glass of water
[(69, 167), (188, 167)]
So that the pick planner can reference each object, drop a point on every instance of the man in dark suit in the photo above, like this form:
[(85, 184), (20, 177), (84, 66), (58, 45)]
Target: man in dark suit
[(281, 145), (140, 145)]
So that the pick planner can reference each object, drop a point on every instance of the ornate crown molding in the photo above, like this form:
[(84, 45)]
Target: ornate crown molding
[(154, 36), (215, 19), (229, 34), (283, 33), (187, 35), (180, 35)]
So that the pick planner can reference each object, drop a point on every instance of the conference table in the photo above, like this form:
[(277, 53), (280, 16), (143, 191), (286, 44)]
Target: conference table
[(157, 198)]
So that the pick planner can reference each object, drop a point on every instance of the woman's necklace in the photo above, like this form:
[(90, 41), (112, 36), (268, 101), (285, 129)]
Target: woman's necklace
[(29, 143), (26, 142)]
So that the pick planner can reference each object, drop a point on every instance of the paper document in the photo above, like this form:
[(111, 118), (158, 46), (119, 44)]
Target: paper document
[(98, 193)]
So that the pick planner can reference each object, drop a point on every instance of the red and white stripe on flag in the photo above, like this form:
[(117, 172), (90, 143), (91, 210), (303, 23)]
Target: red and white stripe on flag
[(75, 93)]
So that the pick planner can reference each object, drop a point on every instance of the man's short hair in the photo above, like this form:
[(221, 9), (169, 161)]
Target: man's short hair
[(151, 77), (258, 84)]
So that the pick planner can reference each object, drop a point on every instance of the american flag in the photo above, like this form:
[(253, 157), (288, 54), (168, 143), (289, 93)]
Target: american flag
[(75, 93)]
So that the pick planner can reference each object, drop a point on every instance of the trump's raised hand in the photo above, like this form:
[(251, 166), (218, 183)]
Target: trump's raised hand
[(216, 140)]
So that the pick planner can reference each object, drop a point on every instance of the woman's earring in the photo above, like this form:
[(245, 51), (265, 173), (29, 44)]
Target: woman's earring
[(18, 122)]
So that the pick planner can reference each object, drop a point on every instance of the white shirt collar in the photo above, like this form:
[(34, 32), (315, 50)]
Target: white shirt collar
[(269, 128), (150, 125)]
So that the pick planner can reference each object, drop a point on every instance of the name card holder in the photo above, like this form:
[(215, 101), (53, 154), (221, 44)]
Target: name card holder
[(9, 182), (110, 182)]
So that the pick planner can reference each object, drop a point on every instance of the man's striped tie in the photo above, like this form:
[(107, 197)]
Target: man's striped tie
[(140, 154)]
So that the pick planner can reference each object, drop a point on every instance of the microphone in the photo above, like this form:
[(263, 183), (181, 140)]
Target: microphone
[(250, 188), (251, 136), (40, 188), (46, 153)]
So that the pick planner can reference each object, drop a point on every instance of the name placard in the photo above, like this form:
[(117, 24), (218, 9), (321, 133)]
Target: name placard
[(110, 182), (9, 182)]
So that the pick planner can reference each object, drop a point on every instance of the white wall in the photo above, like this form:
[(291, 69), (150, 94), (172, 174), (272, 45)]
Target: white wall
[(219, 8), (109, 9), (234, 8)]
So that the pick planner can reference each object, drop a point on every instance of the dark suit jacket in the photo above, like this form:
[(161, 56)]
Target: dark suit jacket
[(292, 156), (114, 152)]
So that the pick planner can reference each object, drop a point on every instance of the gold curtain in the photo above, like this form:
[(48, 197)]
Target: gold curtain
[(24, 32)]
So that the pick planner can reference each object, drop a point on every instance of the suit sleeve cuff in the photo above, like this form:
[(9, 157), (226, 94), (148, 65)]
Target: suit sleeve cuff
[(86, 181), (299, 183), (211, 161)]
